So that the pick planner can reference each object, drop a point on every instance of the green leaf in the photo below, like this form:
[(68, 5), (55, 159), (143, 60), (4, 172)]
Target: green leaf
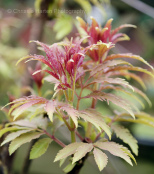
[(67, 151), (81, 151), (63, 26), (8, 129), (94, 117), (69, 167), (25, 138), (100, 158), (126, 136), (14, 135), (40, 147), (85, 5), (114, 149)]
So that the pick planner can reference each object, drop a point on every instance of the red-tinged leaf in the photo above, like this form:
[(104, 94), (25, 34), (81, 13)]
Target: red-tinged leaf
[(120, 37), (82, 23), (130, 56), (133, 68), (121, 27), (68, 150), (113, 98), (74, 114), (17, 112), (125, 135), (49, 72), (81, 151), (143, 95), (50, 108), (114, 149), (117, 81), (104, 65), (124, 91), (128, 74), (100, 158)]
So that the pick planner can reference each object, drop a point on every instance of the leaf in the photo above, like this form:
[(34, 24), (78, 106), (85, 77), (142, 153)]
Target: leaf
[(100, 158), (129, 74), (113, 98), (14, 135), (40, 147), (67, 151), (96, 119), (117, 81), (85, 5), (69, 167), (25, 138), (104, 65), (126, 136), (132, 68), (73, 113), (128, 55), (50, 108), (18, 111), (81, 151), (8, 129), (114, 149), (142, 118), (63, 26), (24, 123)]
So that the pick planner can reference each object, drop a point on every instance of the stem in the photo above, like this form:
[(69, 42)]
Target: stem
[(54, 139), (73, 138), (93, 105)]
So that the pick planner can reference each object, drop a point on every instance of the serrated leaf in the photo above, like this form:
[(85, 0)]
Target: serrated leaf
[(114, 149), (113, 98), (14, 135), (62, 161), (69, 167), (117, 81), (24, 123), (132, 68), (82, 151), (125, 135), (67, 151), (25, 138), (40, 147), (7, 129), (128, 55), (96, 119), (50, 108), (104, 65), (129, 154), (101, 158)]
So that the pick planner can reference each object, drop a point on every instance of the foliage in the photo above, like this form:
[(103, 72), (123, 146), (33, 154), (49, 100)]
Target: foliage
[(72, 68)]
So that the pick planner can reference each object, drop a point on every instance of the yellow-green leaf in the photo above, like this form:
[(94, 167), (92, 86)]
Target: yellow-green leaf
[(40, 147), (126, 136), (25, 138), (100, 158)]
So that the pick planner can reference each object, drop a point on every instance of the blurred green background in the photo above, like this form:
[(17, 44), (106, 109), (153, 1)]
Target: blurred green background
[(15, 29)]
